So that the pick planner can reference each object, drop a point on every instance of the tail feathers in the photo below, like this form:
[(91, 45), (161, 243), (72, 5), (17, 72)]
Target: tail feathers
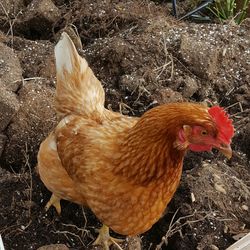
[(78, 91)]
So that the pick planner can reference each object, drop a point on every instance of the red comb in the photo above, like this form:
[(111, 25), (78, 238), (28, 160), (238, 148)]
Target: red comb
[(224, 124)]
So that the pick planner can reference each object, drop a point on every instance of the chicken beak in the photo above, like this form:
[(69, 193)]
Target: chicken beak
[(226, 150)]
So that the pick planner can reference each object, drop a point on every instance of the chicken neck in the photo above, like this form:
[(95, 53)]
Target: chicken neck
[(147, 151)]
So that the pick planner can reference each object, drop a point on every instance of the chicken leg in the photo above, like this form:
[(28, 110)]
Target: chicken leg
[(104, 239), (55, 202)]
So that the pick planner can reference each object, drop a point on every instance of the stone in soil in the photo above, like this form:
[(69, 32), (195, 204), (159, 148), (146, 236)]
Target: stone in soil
[(201, 56), (30, 125), (167, 95), (11, 71), (9, 105), (54, 247), (38, 18)]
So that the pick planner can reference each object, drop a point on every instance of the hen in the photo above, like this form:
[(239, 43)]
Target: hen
[(125, 169)]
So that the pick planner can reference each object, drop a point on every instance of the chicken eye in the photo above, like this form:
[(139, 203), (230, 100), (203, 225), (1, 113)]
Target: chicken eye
[(204, 132)]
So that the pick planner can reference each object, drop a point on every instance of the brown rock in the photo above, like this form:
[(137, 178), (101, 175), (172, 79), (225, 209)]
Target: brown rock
[(11, 72), (200, 55), (36, 57), (39, 16), (167, 95), (9, 105), (190, 87), (54, 247), (30, 125), (47, 68)]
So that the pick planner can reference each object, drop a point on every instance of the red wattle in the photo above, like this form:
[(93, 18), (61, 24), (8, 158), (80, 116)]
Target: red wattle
[(200, 148)]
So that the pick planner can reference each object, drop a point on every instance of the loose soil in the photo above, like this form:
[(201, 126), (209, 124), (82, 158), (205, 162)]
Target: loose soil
[(144, 57)]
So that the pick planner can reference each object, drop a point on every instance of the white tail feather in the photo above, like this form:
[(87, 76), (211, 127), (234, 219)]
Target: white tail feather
[(66, 55), (78, 90)]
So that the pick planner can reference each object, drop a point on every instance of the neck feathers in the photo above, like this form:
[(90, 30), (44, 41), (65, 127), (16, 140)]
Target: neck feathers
[(147, 152)]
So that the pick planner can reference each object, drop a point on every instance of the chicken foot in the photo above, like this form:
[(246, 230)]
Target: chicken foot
[(104, 239), (55, 202)]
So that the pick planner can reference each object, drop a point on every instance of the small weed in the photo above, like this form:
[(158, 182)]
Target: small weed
[(226, 10)]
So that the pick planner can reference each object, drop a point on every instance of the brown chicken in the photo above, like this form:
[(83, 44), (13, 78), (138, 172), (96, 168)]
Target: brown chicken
[(125, 169)]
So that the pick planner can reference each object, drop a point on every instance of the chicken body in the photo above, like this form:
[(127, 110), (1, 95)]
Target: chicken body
[(126, 170), (91, 171)]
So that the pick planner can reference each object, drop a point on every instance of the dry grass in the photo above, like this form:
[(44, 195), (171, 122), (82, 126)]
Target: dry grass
[(176, 226), (11, 22), (168, 62)]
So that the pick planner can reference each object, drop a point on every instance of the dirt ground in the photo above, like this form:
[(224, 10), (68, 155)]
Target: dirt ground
[(144, 57)]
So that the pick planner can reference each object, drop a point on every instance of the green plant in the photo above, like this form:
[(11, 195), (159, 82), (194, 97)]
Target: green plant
[(226, 10), (243, 11)]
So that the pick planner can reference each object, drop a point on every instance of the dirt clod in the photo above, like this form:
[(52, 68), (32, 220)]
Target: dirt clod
[(39, 18), (201, 56), (54, 247), (190, 87), (168, 95), (9, 105), (30, 125), (11, 71)]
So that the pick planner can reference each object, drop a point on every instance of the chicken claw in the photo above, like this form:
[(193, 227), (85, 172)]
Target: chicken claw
[(104, 239), (55, 202)]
